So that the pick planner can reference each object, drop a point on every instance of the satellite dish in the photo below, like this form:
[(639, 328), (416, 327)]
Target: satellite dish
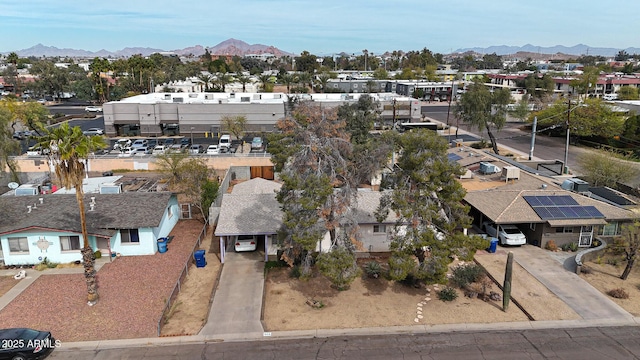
[(13, 185)]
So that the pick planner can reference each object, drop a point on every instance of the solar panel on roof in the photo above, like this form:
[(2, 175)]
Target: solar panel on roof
[(594, 212), (563, 200), (532, 200), (454, 157), (556, 212), (542, 212), (581, 212), (568, 212), (545, 200)]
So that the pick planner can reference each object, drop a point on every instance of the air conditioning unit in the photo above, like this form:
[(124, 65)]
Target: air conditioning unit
[(511, 173), (110, 188), (488, 168), (576, 185)]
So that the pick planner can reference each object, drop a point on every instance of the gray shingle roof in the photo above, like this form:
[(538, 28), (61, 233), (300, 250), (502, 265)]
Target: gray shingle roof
[(256, 186), (130, 210), (254, 214)]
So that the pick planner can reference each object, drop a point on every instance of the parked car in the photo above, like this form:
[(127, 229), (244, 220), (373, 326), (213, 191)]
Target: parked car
[(140, 143), (35, 150), (246, 243), (168, 142), (508, 234), (159, 150), (22, 343), (121, 144), (141, 151), (151, 143), (196, 149), (175, 148), (93, 131), (126, 152), (93, 109), (212, 150), (225, 141), (185, 142), (256, 143)]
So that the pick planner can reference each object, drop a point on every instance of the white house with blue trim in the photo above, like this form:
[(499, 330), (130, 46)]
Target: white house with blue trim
[(39, 226)]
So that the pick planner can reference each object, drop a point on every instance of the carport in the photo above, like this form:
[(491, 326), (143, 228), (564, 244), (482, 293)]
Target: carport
[(249, 214)]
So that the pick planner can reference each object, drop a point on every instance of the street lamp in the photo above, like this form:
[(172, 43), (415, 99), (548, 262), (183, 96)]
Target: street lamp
[(566, 147), (192, 135)]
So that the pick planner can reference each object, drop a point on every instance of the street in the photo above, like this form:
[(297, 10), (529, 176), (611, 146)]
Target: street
[(578, 343)]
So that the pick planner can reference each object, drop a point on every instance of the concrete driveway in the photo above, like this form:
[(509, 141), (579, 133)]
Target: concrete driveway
[(556, 274), (237, 303)]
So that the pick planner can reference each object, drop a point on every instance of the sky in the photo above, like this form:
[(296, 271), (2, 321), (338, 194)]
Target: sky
[(322, 27)]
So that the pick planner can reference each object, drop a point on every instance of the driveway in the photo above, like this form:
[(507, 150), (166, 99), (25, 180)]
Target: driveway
[(237, 303), (555, 273)]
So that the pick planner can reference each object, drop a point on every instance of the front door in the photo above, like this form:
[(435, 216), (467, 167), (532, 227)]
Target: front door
[(586, 235)]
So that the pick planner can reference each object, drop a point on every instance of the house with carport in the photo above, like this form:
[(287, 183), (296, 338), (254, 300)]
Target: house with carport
[(502, 191), (251, 208), (48, 226)]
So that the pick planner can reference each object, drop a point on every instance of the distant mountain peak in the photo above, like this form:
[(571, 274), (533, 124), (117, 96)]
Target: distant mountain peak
[(576, 50), (228, 47)]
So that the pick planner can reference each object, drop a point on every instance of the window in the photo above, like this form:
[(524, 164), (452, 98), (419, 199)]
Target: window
[(564, 230), (18, 245), (170, 212), (379, 229), (129, 236), (611, 229), (532, 226), (69, 243)]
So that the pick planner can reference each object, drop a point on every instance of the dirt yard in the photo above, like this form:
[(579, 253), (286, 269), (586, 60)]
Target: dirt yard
[(6, 283), (605, 276), (192, 305), (379, 302)]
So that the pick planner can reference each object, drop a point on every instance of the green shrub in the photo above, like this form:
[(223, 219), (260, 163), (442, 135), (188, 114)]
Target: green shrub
[(573, 246), (373, 269), (273, 265), (464, 275), (339, 266), (295, 272), (447, 294), (97, 254), (613, 261)]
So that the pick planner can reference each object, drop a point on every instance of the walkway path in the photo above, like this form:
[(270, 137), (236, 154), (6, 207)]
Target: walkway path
[(237, 303), (583, 298)]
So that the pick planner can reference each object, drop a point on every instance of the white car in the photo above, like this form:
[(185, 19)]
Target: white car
[(127, 152), (508, 234), (213, 150), (159, 150), (93, 109), (121, 144), (140, 143), (93, 131), (246, 243)]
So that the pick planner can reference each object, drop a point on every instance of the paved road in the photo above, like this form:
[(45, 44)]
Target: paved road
[(579, 343)]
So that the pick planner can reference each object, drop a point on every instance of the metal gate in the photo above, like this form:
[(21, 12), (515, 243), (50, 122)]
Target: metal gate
[(586, 236)]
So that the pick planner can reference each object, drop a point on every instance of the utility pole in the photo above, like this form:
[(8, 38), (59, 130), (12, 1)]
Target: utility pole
[(566, 148), (533, 137)]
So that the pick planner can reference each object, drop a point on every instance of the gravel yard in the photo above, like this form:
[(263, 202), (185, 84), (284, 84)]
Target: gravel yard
[(132, 289)]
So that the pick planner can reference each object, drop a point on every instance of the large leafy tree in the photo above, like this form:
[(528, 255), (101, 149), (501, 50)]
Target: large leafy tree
[(236, 125), (484, 109), (586, 81), (9, 147), (68, 151), (592, 117), (319, 185), (607, 168), (426, 199), (628, 93), (630, 244)]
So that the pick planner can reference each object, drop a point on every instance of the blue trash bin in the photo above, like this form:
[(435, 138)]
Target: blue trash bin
[(494, 245), (162, 245), (198, 255)]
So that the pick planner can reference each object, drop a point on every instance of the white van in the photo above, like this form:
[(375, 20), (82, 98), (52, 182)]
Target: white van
[(225, 141), (610, 97)]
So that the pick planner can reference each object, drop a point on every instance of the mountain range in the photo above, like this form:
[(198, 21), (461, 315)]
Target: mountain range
[(227, 47), (577, 50), (241, 48)]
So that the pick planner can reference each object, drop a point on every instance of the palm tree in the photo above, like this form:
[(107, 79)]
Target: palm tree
[(222, 79), (244, 80), (68, 149), (288, 79), (324, 79), (205, 79), (264, 81)]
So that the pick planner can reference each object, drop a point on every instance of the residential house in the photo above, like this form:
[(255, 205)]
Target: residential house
[(252, 209), (39, 226), (506, 192)]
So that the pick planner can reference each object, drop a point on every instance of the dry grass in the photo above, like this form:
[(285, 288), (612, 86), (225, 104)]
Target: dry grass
[(6, 283)]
